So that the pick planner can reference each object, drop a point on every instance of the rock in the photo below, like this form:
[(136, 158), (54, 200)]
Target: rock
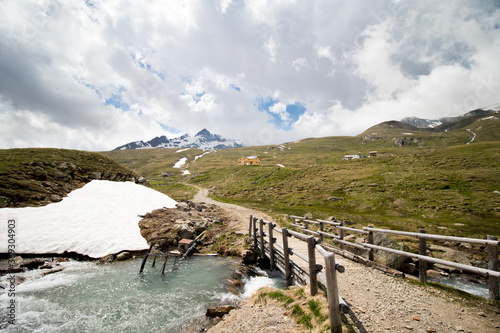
[(123, 256), (96, 175), (185, 233), (39, 173), (32, 264), (141, 180), (234, 283), (184, 206), (61, 176), (67, 168), (385, 258), (107, 259), (219, 311), (200, 226), (408, 268), (433, 274), (4, 201), (248, 257), (335, 198), (449, 254), (55, 198)]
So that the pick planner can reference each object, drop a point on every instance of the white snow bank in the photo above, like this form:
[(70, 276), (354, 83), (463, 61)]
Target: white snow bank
[(98, 219), (180, 163), (280, 165), (186, 172), (181, 150), (200, 156)]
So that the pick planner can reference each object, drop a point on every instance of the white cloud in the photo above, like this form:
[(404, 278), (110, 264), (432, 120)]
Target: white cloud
[(95, 75)]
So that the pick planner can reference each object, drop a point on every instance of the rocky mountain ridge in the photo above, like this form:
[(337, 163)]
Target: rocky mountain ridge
[(202, 140), (442, 122)]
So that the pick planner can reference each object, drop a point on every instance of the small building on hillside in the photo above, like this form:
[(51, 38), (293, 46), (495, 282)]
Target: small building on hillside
[(352, 157), (373, 154), (249, 160)]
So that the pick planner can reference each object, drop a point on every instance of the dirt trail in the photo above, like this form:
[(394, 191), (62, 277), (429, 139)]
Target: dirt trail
[(378, 302)]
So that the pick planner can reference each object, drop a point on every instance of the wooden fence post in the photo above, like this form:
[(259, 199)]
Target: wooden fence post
[(370, 241), (286, 255), (341, 234), (422, 264), (322, 229), (164, 263), (262, 248), (311, 253), (493, 265), (271, 246), (250, 226), (255, 246), (332, 294), (145, 259)]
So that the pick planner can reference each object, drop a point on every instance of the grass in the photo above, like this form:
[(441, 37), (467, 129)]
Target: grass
[(309, 311), (18, 183), (437, 181)]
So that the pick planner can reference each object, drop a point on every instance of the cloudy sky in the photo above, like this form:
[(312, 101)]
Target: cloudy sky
[(96, 74)]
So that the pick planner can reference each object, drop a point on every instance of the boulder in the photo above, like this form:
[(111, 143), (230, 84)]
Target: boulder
[(67, 168), (39, 173), (185, 233), (219, 311), (385, 258), (449, 254), (55, 198), (32, 264), (123, 256), (107, 259), (184, 206), (95, 175), (248, 257)]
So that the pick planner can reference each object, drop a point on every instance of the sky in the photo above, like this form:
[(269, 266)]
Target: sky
[(95, 74)]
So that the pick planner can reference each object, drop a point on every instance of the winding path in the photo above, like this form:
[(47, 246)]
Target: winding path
[(378, 302)]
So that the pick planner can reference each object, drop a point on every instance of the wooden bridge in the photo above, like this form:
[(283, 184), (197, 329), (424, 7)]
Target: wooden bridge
[(320, 255)]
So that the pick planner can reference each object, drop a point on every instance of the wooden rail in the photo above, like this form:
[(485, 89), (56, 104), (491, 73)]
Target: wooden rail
[(293, 272), (492, 244)]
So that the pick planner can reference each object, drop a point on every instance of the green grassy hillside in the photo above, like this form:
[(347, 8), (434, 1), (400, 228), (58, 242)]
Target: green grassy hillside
[(38, 176), (420, 177)]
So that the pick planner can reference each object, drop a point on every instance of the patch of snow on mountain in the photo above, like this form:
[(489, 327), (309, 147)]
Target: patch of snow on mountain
[(98, 219), (181, 162)]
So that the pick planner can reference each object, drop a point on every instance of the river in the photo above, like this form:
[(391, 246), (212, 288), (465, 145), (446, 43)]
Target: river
[(88, 297)]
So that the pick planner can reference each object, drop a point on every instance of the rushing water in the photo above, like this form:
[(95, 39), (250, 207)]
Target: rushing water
[(87, 297)]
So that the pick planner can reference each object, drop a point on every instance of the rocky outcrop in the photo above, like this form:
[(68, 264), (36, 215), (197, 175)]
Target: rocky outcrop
[(166, 227), (42, 176)]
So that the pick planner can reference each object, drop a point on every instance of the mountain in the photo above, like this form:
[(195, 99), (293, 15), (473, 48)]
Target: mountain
[(202, 140), (444, 123)]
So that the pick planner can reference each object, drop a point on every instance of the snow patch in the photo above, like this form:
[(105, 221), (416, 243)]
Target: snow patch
[(205, 153), (180, 163), (186, 172), (181, 150), (280, 165), (98, 219)]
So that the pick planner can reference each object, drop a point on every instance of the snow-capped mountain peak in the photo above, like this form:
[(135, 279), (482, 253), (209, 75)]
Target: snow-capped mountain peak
[(202, 140)]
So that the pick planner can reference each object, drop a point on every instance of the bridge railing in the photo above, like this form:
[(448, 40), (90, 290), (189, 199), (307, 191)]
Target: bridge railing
[(279, 254), (491, 243)]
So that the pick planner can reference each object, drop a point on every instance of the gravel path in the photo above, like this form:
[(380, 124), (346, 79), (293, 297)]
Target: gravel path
[(378, 302)]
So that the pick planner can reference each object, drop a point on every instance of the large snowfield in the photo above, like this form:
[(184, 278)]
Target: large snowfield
[(98, 219)]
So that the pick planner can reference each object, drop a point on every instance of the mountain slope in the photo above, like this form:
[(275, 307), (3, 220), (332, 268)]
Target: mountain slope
[(202, 140)]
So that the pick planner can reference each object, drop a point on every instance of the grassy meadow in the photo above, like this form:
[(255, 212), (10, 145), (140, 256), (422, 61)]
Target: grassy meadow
[(420, 178)]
